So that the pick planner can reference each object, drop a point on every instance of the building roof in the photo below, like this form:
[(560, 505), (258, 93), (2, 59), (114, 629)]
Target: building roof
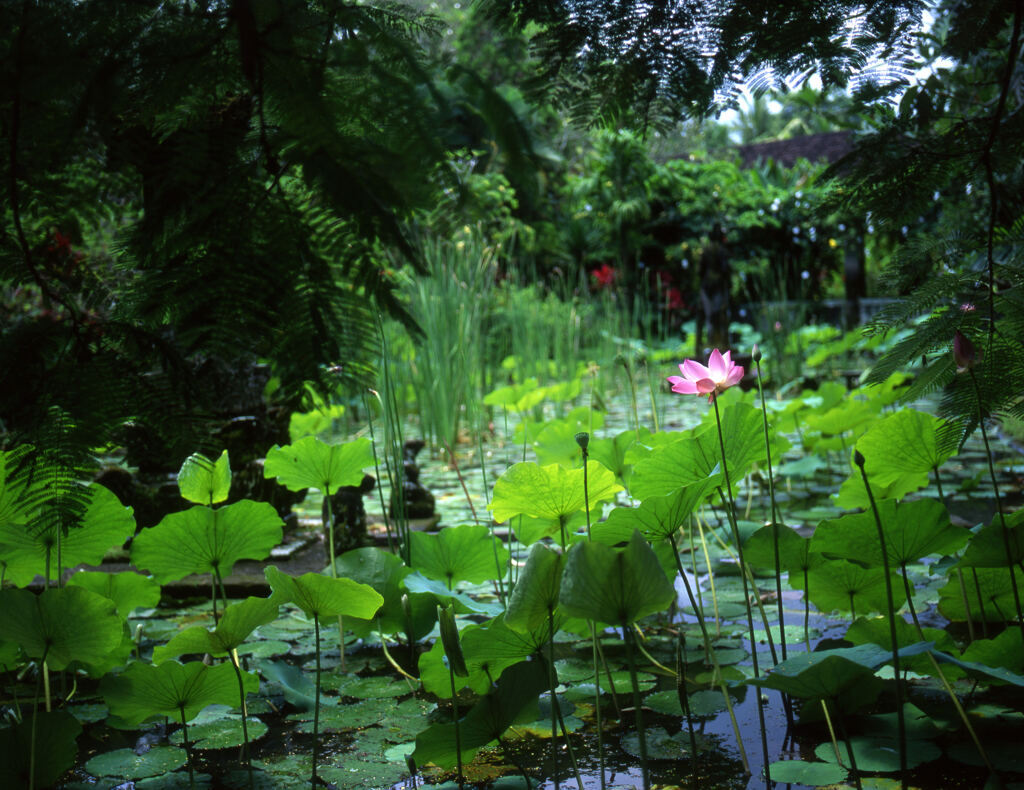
[(827, 146)]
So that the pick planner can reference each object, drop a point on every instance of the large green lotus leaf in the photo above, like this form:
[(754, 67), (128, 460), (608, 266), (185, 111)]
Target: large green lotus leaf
[(1005, 650), (843, 417), (843, 586), (311, 463), (518, 687), (203, 481), (321, 596), (529, 530), (201, 539), (127, 590), (900, 451), (875, 630), (508, 396), (64, 625), (549, 491), (611, 453), (105, 523), (418, 583), (235, 625), (794, 549), (144, 690), (614, 586), (556, 443), (683, 462), (487, 649), (55, 749), (983, 671), (826, 674), (988, 593), (987, 547), (385, 572), (535, 596), (467, 553), (295, 685), (658, 517), (912, 530)]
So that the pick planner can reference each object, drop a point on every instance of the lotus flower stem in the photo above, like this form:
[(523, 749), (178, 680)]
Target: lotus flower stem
[(730, 511), (684, 703), (858, 459), (553, 678), (999, 506), (709, 653)]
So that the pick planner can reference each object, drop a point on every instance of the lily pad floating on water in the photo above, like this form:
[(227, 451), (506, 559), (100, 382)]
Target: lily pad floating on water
[(127, 764), (879, 754), (225, 732), (804, 773)]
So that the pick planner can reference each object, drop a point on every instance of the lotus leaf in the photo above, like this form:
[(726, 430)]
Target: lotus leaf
[(312, 463), (234, 627), (105, 523), (61, 625), (203, 481), (912, 530), (204, 540), (518, 687), (171, 689), (466, 553), (614, 586), (321, 596), (549, 491), (127, 590)]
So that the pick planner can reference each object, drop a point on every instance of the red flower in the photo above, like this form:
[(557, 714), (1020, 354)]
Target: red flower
[(605, 276)]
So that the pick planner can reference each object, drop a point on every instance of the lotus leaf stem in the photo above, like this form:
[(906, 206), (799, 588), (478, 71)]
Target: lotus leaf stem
[(900, 723)]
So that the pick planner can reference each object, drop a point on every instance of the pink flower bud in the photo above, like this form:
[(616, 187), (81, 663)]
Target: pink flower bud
[(963, 352)]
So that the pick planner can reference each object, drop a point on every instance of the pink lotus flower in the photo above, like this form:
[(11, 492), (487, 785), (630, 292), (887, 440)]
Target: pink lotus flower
[(720, 374)]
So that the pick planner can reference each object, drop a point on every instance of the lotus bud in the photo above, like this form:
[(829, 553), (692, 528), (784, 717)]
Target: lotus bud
[(583, 440), (755, 354), (858, 458), (963, 352)]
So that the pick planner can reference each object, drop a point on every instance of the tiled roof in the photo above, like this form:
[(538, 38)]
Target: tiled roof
[(827, 146)]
